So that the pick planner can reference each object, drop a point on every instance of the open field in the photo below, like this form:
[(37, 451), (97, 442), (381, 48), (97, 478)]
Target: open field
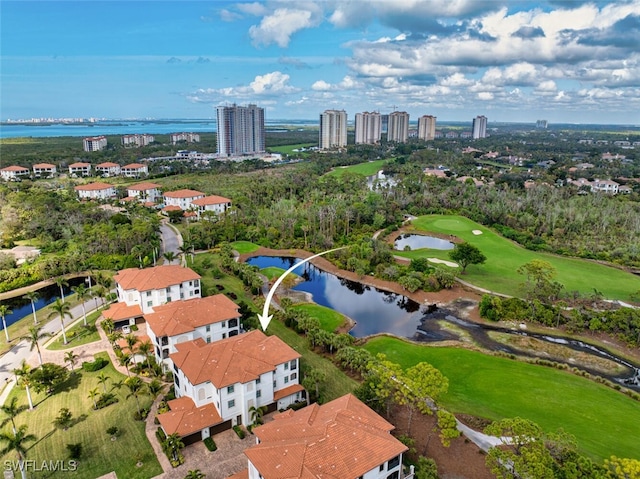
[(366, 169), (100, 455), (243, 247), (330, 320), (288, 149), (504, 257), (604, 421)]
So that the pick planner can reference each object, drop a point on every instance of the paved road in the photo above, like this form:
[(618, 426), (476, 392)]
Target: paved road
[(171, 240)]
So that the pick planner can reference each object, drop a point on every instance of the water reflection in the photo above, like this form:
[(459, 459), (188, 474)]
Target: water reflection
[(414, 241)]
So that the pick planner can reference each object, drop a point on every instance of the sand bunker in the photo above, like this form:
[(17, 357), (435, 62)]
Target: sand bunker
[(477, 232), (442, 261)]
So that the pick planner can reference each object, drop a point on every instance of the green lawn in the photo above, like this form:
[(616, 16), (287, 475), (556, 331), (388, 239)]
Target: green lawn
[(504, 257), (273, 272), (366, 169), (78, 334), (330, 320), (100, 455), (243, 247), (288, 149), (605, 422)]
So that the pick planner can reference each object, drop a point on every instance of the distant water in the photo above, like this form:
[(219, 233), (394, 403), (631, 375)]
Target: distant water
[(125, 127)]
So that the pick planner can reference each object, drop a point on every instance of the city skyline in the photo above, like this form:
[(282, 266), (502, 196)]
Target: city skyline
[(567, 62)]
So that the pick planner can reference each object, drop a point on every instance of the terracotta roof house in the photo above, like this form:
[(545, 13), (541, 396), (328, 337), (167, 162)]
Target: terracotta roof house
[(145, 192), (438, 173), (150, 287), (605, 186), (213, 203), (108, 169), (123, 314), (13, 172), (96, 191), (80, 169), (212, 318), (44, 170), (342, 439), (181, 198), (234, 375), (134, 170)]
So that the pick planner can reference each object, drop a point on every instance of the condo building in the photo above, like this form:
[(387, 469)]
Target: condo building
[(94, 143), (427, 127), (398, 129), (240, 130), (479, 128), (368, 128), (137, 140), (188, 137), (333, 129)]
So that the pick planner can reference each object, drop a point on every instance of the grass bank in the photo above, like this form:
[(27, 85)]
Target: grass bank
[(604, 421), (499, 272), (366, 169)]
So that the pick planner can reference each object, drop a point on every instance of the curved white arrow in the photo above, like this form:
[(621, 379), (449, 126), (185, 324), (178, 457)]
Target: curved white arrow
[(265, 317)]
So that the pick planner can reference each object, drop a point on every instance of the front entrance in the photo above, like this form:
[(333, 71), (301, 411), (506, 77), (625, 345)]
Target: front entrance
[(239, 419)]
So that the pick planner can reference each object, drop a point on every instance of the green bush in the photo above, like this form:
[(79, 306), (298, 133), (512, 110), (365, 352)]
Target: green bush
[(210, 443), (105, 400), (75, 450), (160, 435), (96, 365), (239, 431)]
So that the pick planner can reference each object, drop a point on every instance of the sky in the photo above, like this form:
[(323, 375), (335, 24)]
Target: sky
[(566, 61)]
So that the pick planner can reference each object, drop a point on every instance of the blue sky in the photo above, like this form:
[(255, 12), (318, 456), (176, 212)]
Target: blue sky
[(564, 61)]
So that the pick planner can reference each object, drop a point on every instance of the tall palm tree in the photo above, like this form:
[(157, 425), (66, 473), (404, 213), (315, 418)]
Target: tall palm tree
[(131, 340), (136, 388), (82, 293), (103, 379), (93, 394), (170, 256), (145, 349), (16, 442), (107, 325), (125, 360), (61, 281), (172, 444), (11, 409), (34, 336), (61, 309), (71, 358), (23, 378), (99, 292), (33, 297), (5, 311)]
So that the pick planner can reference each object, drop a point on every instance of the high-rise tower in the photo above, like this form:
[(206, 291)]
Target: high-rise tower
[(479, 129), (240, 130), (368, 128), (427, 127), (333, 129), (398, 129)]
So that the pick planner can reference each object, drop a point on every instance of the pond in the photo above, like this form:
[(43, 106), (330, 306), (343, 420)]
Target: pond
[(414, 241), (377, 311), (21, 307)]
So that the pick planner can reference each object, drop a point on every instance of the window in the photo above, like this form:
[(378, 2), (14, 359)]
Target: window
[(258, 381), (208, 328), (149, 303), (224, 335), (231, 404), (381, 467), (224, 324), (393, 463), (294, 364), (181, 296), (229, 389), (208, 339), (258, 393), (196, 283), (274, 384), (190, 283), (294, 376), (168, 290), (286, 379), (286, 366), (177, 381), (148, 294), (233, 323), (168, 299), (395, 475), (190, 293)]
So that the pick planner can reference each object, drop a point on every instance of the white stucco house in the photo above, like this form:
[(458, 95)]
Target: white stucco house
[(96, 191)]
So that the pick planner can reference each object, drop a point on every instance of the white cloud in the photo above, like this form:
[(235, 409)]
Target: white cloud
[(281, 24), (485, 95), (321, 85), (262, 87), (256, 9)]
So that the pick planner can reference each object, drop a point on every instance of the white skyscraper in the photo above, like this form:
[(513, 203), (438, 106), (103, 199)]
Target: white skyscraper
[(368, 128), (240, 130), (333, 129), (427, 127), (398, 129), (479, 129)]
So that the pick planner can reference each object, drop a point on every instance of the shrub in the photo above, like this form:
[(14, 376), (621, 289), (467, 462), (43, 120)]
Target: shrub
[(134, 327), (96, 365), (210, 444), (75, 450), (144, 412), (239, 431), (161, 435), (113, 431), (105, 400)]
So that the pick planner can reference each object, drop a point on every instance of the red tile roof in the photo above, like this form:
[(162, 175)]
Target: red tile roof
[(108, 164), (44, 165), (341, 439), (288, 391), (185, 418), (183, 194), (157, 277), (79, 165), (211, 200), (238, 359), (93, 187), (180, 317), (171, 208), (133, 166), (143, 186), (121, 311), (15, 168)]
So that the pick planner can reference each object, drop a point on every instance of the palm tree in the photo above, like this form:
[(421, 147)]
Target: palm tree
[(23, 378), (82, 293), (33, 297), (107, 325), (99, 292), (93, 394), (195, 474), (256, 414), (103, 379), (136, 388), (61, 309), (172, 445), (131, 340), (170, 256), (145, 349), (154, 387), (61, 281), (16, 442), (34, 336), (185, 249), (125, 360), (5, 311), (11, 409), (71, 358)]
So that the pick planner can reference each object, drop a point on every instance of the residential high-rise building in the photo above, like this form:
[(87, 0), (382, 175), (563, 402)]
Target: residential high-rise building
[(333, 129), (479, 129), (240, 130), (368, 128), (542, 124), (398, 129), (94, 143), (427, 127)]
